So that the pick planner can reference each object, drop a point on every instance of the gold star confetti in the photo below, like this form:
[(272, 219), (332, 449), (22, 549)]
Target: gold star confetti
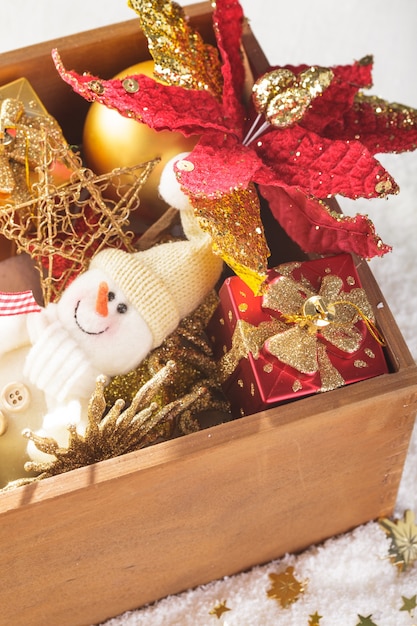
[(409, 604), (403, 535), (219, 609), (314, 619), (286, 589), (366, 621)]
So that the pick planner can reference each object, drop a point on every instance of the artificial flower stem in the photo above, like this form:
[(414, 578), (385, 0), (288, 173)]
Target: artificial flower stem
[(253, 133), (257, 133)]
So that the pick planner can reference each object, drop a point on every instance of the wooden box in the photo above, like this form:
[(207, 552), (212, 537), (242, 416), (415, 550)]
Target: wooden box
[(87, 545)]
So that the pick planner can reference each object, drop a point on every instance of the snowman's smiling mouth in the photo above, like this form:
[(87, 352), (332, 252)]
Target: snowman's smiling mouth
[(88, 332)]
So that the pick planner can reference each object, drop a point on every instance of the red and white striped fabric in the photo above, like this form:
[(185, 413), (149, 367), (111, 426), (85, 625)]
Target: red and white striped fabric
[(18, 303)]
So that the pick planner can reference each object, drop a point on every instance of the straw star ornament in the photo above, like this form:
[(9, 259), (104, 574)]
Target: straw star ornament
[(307, 135)]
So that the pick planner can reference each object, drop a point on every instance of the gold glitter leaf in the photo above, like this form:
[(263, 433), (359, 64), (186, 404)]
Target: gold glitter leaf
[(181, 57), (284, 98), (403, 535), (235, 227)]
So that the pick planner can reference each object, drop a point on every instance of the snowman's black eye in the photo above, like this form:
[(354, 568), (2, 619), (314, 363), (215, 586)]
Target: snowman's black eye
[(111, 296), (122, 307)]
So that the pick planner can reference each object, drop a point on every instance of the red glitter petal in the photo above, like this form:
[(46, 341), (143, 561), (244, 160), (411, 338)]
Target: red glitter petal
[(221, 164), (162, 107), (379, 125), (316, 228), (227, 20), (321, 167)]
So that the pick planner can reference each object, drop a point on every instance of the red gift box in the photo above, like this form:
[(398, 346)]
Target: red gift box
[(311, 331)]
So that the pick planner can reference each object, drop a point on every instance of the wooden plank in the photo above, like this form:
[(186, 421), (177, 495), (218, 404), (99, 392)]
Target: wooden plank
[(125, 532)]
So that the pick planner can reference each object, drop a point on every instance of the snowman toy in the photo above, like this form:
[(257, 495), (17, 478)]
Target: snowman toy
[(104, 324)]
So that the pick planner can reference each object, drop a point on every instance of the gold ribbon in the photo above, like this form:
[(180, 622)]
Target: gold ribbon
[(304, 319)]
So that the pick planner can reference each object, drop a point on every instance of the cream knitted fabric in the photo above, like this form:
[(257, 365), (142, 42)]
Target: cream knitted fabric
[(167, 282)]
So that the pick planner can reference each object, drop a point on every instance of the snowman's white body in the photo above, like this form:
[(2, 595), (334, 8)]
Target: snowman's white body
[(21, 402), (50, 361)]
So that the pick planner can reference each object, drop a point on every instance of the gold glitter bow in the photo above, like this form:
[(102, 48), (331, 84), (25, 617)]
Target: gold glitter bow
[(307, 322), (22, 145)]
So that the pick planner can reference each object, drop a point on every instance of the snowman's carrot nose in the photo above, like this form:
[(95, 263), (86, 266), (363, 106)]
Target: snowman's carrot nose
[(102, 299)]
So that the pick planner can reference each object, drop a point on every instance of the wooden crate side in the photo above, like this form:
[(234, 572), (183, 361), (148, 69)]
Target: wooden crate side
[(153, 547), (400, 385), (397, 351), (124, 533), (334, 459)]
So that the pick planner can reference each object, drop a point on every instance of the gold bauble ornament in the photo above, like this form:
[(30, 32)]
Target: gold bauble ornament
[(111, 140)]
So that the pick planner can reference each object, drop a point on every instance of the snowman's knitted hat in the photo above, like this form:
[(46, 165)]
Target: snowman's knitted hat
[(166, 282)]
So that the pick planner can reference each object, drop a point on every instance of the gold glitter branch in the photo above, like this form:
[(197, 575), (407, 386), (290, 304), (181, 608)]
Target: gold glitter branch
[(113, 433), (188, 346)]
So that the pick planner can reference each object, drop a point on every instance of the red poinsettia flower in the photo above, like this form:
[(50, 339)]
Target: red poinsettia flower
[(316, 142)]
